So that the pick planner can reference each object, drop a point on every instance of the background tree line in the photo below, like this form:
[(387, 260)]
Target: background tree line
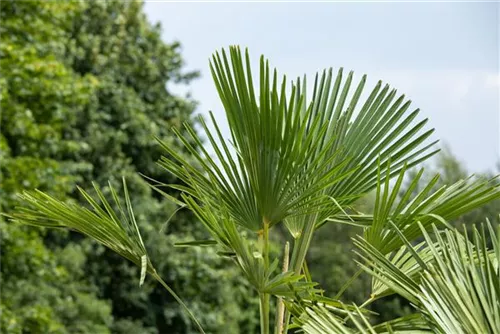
[(83, 91)]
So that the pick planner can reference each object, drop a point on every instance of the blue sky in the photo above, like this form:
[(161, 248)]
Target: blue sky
[(443, 56)]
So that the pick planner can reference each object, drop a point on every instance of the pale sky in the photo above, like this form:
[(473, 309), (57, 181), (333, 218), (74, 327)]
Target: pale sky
[(443, 56)]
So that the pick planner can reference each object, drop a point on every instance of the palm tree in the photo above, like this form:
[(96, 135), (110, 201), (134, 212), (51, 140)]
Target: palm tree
[(294, 161)]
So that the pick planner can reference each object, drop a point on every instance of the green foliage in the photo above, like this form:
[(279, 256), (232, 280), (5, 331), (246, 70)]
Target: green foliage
[(451, 279), (44, 291), (312, 176), (41, 98), (83, 93)]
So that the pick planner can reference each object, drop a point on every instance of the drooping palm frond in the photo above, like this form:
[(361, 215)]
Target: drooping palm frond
[(112, 224), (456, 285)]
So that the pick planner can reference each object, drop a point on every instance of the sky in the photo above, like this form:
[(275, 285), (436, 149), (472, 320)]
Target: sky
[(443, 56)]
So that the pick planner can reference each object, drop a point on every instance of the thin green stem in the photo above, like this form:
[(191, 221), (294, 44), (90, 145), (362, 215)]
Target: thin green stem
[(367, 302), (264, 297), (179, 300), (301, 247), (266, 243), (264, 313)]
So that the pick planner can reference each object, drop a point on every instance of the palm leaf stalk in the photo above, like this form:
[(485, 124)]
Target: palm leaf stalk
[(112, 224)]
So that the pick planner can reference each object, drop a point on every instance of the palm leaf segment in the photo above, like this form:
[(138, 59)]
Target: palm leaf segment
[(354, 320)]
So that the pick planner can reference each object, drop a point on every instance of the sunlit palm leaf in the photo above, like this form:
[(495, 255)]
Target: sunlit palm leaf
[(457, 282), (318, 320)]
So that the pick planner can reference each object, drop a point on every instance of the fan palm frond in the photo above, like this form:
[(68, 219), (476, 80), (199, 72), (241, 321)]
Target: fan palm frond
[(292, 156), (454, 280), (406, 209), (112, 224), (445, 204), (381, 136), (282, 160), (318, 320)]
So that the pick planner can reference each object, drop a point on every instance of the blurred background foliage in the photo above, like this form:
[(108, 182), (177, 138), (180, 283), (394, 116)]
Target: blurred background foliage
[(83, 90)]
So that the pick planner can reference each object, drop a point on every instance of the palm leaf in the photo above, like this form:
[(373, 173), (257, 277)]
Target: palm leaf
[(112, 224), (318, 320), (461, 290), (453, 281), (273, 174), (291, 156), (427, 207), (380, 136)]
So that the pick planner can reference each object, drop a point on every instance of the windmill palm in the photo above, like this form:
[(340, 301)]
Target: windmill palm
[(289, 160), (304, 162), (295, 161)]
